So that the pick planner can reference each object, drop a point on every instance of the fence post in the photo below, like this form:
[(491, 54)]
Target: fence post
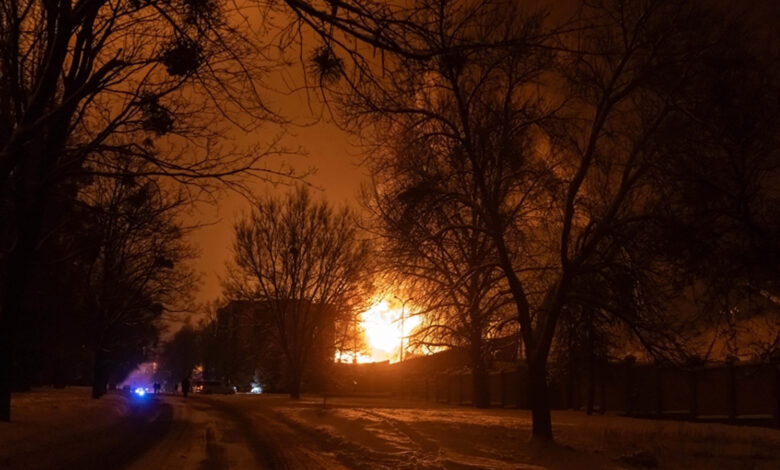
[(603, 388), (776, 366), (460, 389), (694, 394), (660, 389), (521, 391), (570, 389), (502, 388), (732, 388), (629, 382)]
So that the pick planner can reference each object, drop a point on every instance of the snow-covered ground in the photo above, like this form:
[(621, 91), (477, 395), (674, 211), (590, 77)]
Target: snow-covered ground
[(65, 429), (369, 433)]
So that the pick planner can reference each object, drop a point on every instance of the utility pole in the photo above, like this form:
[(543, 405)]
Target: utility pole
[(403, 316)]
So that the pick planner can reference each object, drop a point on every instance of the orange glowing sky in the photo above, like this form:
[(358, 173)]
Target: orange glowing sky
[(334, 157), (327, 150), (331, 151), (338, 179)]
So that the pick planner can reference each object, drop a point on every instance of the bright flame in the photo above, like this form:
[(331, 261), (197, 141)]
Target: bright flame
[(382, 326), (349, 357)]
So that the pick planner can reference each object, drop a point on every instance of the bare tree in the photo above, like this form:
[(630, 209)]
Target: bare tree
[(721, 211), (444, 257), (350, 339), (557, 140), (139, 270), (470, 115), (84, 82), (306, 264), (182, 353)]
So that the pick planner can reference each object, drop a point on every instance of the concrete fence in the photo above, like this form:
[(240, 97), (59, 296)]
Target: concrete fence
[(741, 392)]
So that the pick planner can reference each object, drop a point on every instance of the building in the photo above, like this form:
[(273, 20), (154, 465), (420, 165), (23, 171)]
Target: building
[(265, 342)]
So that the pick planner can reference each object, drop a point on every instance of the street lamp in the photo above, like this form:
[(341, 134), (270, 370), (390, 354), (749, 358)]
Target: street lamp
[(403, 312)]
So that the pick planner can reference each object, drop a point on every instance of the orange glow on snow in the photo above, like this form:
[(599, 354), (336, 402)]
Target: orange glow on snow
[(382, 326)]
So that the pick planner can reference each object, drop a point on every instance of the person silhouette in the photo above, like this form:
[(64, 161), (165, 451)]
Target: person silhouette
[(185, 386)]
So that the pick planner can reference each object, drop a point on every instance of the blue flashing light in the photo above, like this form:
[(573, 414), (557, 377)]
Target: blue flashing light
[(140, 391)]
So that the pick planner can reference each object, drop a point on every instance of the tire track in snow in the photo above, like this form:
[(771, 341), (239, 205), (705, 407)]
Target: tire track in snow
[(416, 454)]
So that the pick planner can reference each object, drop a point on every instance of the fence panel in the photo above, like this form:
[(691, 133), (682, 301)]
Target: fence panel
[(755, 390), (712, 391), (613, 388), (645, 390), (715, 391), (676, 391), (496, 384)]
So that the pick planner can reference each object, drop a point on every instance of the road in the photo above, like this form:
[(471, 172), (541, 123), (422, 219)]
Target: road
[(272, 432), (233, 432), (65, 429)]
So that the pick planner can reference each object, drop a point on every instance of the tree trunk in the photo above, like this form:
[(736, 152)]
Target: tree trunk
[(14, 285), (6, 359), (481, 390), (24, 365), (12, 296), (58, 375), (295, 390), (540, 401), (295, 385), (591, 391), (29, 207), (99, 377), (591, 374)]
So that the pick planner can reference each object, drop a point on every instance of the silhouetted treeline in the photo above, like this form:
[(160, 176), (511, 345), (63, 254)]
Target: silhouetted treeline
[(113, 90), (306, 271), (573, 176), (606, 165), (113, 256)]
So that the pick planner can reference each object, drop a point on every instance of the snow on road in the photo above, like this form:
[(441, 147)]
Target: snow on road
[(273, 432), (198, 437)]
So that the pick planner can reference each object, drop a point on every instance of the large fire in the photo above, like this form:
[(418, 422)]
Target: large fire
[(384, 327)]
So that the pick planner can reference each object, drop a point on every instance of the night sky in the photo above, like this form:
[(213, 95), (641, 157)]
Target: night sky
[(338, 177), (333, 153)]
